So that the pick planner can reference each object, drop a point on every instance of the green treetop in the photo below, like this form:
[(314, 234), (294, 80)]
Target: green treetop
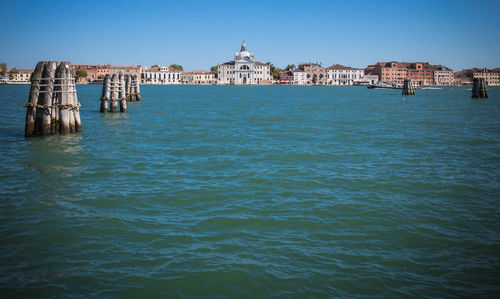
[(3, 68), (81, 73), (176, 66), (274, 70), (214, 69), (12, 72)]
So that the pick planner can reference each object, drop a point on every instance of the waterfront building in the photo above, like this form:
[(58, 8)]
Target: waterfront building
[(315, 73), (244, 70), (285, 77), (343, 75), (299, 77), (422, 73), (491, 78), (443, 76), (93, 72), (127, 70), (23, 76), (370, 79), (162, 75), (199, 77), (395, 72)]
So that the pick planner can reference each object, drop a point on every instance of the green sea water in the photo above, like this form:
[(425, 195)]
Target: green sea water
[(279, 191)]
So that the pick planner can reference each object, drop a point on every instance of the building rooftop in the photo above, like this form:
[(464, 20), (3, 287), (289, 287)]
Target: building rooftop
[(341, 67), (21, 70)]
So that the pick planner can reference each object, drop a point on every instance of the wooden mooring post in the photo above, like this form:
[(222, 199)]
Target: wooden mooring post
[(479, 88), (53, 105), (133, 88), (408, 88), (138, 95), (113, 104), (122, 95), (106, 94), (121, 88)]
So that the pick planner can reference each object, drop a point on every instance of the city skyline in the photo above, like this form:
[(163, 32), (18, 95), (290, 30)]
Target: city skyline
[(197, 35)]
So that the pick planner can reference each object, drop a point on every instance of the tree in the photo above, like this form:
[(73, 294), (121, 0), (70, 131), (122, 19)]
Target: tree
[(3, 67), (214, 69), (274, 70), (176, 66), (81, 74), (155, 65), (290, 67), (101, 76), (12, 72)]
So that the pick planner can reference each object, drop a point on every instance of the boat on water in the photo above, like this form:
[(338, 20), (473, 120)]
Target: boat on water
[(383, 85), (389, 85)]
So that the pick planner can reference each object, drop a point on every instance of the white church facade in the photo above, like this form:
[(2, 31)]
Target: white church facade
[(244, 70)]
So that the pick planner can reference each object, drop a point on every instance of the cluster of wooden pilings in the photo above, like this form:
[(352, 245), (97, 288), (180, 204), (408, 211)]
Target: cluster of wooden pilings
[(52, 106), (121, 88), (408, 88), (479, 88)]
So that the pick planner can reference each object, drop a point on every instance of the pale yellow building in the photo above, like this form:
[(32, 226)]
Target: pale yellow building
[(198, 77), (21, 77), (127, 70), (490, 77), (444, 76)]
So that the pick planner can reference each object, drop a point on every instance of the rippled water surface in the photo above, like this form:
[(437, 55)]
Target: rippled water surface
[(255, 191)]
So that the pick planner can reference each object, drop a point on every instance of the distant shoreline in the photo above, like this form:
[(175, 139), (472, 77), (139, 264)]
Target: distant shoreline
[(23, 83)]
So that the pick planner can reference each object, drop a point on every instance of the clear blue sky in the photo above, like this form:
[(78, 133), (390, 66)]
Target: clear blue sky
[(198, 34)]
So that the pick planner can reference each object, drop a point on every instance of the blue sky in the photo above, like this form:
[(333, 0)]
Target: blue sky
[(198, 34)]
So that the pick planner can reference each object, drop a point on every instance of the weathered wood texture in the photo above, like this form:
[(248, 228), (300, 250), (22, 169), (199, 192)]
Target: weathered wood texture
[(118, 88), (132, 87), (52, 104), (138, 95), (479, 88), (29, 128), (122, 94), (113, 105), (408, 88), (105, 94)]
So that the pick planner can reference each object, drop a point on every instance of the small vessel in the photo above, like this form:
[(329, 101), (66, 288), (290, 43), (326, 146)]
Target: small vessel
[(389, 85), (381, 85)]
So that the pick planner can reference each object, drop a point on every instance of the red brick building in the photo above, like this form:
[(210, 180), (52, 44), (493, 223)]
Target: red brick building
[(286, 77), (422, 73), (93, 71)]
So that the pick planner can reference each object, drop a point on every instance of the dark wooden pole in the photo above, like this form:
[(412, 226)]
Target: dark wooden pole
[(128, 82), (105, 94), (29, 128), (138, 95), (408, 88), (483, 89)]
